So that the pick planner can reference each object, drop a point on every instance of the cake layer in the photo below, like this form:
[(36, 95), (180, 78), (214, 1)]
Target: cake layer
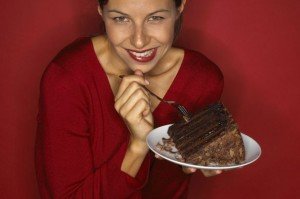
[(211, 137)]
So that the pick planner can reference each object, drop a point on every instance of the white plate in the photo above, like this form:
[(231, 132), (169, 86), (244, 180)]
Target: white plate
[(252, 149)]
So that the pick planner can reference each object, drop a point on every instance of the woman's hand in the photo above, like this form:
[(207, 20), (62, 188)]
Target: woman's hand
[(133, 104), (206, 173)]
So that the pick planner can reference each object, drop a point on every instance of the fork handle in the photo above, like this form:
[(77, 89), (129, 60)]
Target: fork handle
[(159, 98)]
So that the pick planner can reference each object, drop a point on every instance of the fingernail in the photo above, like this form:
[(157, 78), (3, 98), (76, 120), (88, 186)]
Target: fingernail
[(218, 171), (192, 170), (147, 82), (138, 72)]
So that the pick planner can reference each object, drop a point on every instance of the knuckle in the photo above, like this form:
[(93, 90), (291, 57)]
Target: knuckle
[(137, 84), (126, 118), (117, 107), (185, 170), (134, 85), (122, 111), (126, 78), (138, 93), (141, 79), (129, 118), (133, 78), (147, 94), (143, 102)]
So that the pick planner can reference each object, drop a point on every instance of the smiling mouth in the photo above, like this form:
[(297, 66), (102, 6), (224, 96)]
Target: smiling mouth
[(144, 56)]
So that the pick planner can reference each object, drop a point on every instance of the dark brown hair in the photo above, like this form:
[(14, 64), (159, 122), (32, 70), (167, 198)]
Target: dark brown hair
[(177, 23)]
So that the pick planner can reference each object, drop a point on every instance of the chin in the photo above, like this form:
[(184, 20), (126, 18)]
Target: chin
[(144, 69), (142, 66)]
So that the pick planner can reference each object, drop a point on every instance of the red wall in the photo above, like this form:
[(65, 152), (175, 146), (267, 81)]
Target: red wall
[(256, 44)]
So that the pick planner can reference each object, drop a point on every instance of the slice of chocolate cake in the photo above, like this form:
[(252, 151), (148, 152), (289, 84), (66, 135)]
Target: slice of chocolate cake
[(210, 137)]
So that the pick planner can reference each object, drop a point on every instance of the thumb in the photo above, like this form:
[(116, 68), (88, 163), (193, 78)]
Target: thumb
[(158, 157), (139, 73), (188, 170)]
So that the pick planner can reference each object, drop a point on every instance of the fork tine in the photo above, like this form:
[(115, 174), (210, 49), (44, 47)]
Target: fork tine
[(183, 110), (184, 113)]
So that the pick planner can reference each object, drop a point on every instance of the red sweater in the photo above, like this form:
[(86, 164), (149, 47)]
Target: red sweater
[(81, 139)]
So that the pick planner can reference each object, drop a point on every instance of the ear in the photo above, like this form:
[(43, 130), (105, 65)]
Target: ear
[(99, 10), (181, 7)]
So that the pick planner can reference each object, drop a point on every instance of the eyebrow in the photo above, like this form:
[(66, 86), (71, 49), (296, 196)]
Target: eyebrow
[(152, 13)]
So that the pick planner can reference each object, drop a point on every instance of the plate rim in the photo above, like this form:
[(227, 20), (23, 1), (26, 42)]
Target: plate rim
[(258, 153)]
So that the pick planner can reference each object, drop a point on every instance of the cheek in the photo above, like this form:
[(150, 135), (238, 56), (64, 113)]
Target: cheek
[(163, 33), (116, 34)]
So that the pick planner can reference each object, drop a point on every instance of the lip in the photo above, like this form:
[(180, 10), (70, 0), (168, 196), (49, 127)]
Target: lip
[(143, 56)]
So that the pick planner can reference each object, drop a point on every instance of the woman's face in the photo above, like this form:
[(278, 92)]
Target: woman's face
[(140, 31)]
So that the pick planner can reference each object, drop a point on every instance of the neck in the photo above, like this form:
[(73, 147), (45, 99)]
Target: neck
[(168, 62)]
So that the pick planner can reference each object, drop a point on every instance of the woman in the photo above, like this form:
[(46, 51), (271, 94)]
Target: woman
[(93, 124)]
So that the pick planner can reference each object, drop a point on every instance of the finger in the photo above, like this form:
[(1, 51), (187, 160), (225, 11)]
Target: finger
[(147, 111), (188, 170), (148, 117), (158, 157), (139, 73), (209, 173), (135, 114), (126, 82), (133, 87), (123, 106)]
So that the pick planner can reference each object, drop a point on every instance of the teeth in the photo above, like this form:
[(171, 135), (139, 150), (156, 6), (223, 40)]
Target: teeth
[(143, 54)]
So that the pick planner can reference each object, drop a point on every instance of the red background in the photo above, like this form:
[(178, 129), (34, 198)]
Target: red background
[(255, 42)]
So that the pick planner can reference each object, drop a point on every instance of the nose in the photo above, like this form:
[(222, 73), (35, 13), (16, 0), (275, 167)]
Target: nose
[(139, 38)]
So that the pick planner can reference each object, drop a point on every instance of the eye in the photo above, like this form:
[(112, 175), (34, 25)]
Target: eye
[(121, 19), (156, 18)]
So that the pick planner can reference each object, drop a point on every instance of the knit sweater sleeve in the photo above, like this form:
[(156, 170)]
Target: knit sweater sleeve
[(64, 156)]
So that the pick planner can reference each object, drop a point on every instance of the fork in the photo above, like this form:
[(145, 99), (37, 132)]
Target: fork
[(181, 109)]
